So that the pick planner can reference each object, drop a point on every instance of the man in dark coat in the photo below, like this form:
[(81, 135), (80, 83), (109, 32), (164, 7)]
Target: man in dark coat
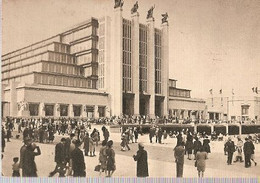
[(86, 144), (142, 164), (3, 139), (248, 151), (151, 134), (78, 162), (230, 148), (27, 141), (59, 159), (179, 152)]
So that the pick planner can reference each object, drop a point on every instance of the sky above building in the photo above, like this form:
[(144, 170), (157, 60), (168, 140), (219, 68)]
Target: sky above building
[(213, 44)]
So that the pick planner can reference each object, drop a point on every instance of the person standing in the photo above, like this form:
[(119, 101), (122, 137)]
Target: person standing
[(206, 145), (248, 151), (77, 161), (201, 157), (252, 158), (110, 153), (142, 164), (230, 148), (179, 152), (86, 144), (29, 165), (27, 141), (239, 148), (59, 159), (103, 158), (196, 146), (3, 139), (136, 134)]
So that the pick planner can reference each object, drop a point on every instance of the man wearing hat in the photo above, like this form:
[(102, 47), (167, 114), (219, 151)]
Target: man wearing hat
[(59, 159), (27, 141), (142, 164), (77, 160), (230, 148), (248, 151)]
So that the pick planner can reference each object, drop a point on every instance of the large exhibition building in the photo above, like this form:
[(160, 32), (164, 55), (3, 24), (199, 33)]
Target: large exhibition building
[(99, 68)]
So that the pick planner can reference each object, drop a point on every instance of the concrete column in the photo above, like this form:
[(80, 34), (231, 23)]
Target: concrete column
[(212, 127), (151, 66), (185, 114), (70, 111), (214, 115), (226, 125), (41, 109), (116, 63), (240, 129), (57, 110), (195, 128), (135, 61), (165, 66), (13, 99), (96, 114)]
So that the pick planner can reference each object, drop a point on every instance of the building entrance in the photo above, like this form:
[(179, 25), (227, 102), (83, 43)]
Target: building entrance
[(144, 105), (159, 106), (128, 104)]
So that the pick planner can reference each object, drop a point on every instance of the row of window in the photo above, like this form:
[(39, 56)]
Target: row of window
[(77, 35), (22, 70), (143, 34), (179, 93), (63, 110), (143, 85), (87, 58), (83, 46), (127, 84), (63, 81), (59, 47), (59, 57), (126, 28), (64, 69), (158, 87), (20, 79), (32, 47)]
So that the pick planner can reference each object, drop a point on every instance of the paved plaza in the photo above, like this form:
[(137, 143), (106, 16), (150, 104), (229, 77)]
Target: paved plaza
[(160, 159)]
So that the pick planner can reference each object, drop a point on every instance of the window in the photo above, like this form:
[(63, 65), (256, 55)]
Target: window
[(34, 109), (245, 109), (64, 110), (101, 111), (49, 110), (90, 111), (77, 110)]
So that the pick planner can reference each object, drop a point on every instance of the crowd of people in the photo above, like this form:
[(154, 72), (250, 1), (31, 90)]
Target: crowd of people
[(79, 140)]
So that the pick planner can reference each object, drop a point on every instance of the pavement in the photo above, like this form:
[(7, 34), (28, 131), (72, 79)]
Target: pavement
[(160, 159)]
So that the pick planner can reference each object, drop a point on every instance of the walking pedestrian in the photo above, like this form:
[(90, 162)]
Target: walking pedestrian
[(239, 149), (201, 157), (86, 144), (248, 151), (179, 152), (103, 158), (142, 164), (59, 159), (252, 158), (111, 164), (77, 161), (29, 165), (230, 148)]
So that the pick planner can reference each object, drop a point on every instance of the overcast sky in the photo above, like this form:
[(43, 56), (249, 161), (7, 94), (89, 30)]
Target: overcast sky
[(213, 43)]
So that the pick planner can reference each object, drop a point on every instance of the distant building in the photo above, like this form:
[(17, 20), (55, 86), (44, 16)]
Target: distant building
[(234, 108), (182, 106)]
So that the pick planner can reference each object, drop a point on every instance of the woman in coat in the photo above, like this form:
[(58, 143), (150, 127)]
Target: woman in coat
[(110, 153), (142, 164), (201, 157)]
